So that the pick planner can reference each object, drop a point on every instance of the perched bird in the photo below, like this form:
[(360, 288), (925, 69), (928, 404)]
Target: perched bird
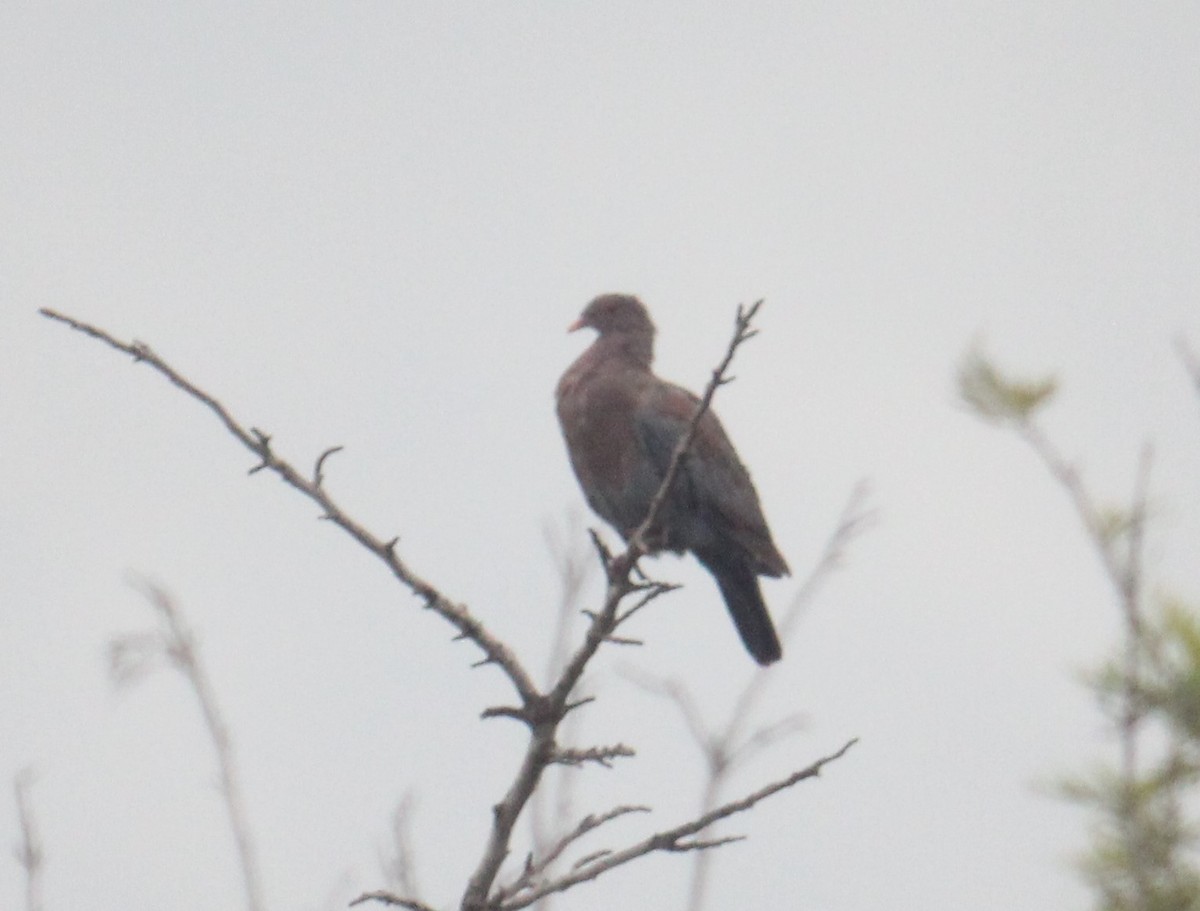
[(622, 423)]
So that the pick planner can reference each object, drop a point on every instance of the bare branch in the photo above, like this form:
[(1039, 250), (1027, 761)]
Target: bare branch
[(603, 756), (653, 590), (703, 844), (259, 444), (532, 871), (673, 839)]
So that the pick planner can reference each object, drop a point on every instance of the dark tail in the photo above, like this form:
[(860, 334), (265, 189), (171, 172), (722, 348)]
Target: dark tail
[(739, 587)]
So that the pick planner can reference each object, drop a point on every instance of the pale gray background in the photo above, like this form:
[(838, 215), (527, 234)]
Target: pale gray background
[(369, 224)]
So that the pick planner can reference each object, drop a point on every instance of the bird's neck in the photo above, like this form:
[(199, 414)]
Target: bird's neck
[(633, 348)]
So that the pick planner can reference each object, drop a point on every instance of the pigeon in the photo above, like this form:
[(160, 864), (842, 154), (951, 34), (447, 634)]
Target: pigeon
[(621, 424)]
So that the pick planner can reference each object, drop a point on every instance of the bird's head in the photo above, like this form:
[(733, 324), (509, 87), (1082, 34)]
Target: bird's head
[(620, 314)]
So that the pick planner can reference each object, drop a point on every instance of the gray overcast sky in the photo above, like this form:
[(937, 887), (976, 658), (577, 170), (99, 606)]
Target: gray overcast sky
[(369, 224)]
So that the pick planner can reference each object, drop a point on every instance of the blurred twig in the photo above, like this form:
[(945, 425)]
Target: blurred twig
[(400, 869), (574, 564), (29, 850), (132, 655), (727, 746), (1191, 362)]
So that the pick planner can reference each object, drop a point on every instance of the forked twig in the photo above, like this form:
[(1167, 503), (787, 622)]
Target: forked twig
[(673, 839)]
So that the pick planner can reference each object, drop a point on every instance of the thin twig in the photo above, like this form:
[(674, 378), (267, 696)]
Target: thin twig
[(528, 878), (673, 839)]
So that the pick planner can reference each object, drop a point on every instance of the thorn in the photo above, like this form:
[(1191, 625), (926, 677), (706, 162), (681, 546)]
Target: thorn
[(579, 703), (505, 711), (622, 640), (318, 477)]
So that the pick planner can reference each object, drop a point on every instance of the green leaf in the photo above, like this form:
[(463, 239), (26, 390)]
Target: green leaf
[(995, 397)]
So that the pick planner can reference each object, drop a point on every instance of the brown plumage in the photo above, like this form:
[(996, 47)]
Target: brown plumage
[(621, 424)]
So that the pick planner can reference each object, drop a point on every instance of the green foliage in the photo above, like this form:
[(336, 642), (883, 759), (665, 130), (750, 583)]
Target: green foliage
[(1111, 523), (1144, 829), (1142, 854), (995, 397)]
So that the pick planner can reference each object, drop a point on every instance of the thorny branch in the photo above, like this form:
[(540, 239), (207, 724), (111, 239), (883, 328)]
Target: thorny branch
[(259, 443), (542, 712), (600, 755)]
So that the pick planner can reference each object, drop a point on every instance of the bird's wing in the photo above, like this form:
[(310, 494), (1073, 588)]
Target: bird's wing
[(713, 503)]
